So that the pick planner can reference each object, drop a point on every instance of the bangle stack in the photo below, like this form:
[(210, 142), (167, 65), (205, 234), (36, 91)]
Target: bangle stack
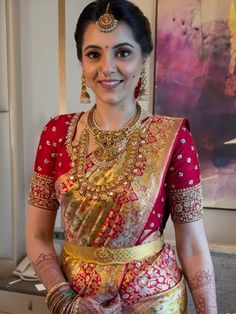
[(59, 299)]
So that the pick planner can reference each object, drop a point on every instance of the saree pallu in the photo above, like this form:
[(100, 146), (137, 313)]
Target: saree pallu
[(118, 222), (165, 181)]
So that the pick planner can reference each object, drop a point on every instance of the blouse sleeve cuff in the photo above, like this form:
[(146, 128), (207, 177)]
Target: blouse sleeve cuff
[(42, 193), (186, 204)]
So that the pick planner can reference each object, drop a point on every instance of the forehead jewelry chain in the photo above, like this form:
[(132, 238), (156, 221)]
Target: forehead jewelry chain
[(106, 22)]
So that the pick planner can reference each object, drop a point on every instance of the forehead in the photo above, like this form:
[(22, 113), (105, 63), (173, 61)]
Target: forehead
[(122, 33)]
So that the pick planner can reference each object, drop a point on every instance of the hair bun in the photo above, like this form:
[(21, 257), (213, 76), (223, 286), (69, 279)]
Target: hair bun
[(103, 1), (109, 1)]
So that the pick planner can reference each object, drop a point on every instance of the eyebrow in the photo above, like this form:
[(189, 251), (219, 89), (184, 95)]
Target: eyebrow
[(115, 47)]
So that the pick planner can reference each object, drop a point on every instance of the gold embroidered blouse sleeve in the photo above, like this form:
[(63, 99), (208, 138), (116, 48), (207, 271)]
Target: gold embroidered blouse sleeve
[(42, 193), (186, 204)]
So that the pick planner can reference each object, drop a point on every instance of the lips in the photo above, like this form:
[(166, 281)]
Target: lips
[(110, 83)]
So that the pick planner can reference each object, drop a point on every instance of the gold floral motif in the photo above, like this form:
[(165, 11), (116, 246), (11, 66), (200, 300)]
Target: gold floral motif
[(104, 254), (42, 193), (186, 204)]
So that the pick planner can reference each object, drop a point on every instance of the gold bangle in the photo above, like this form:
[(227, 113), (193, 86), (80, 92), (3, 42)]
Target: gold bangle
[(75, 306), (59, 297), (54, 288)]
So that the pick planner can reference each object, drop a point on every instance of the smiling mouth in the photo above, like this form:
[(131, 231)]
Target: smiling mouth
[(110, 83)]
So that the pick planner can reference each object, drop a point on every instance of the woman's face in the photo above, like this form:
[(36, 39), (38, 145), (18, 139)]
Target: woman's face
[(111, 63)]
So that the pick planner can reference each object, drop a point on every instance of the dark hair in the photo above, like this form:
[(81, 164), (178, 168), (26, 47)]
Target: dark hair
[(122, 10)]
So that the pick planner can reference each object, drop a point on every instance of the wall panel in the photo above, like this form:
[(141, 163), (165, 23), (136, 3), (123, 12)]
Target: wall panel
[(6, 228), (3, 59)]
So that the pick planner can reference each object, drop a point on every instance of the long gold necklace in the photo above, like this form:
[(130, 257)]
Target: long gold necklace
[(110, 144)]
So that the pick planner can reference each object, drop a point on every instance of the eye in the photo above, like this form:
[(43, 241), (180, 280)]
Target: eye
[(93, 55), (123, 53)]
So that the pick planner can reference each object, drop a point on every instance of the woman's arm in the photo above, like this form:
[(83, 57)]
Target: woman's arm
[(39, 246), (195, 260), (40, 249)]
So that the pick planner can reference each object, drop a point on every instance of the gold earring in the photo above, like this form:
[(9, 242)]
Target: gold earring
[(84, 96), (143, 94)]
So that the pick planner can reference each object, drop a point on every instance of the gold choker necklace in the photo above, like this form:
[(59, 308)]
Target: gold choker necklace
[(111, 143)]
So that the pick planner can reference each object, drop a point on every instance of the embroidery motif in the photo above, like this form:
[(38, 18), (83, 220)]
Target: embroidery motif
[(113, 226), (148, 277), (42, 193), (87, 279), (62, 185), (186, 204)]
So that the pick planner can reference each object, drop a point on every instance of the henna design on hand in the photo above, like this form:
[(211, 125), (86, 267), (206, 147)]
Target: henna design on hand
[(202, 286), (48, 270)]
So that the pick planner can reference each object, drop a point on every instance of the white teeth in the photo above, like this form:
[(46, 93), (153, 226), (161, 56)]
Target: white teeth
[(110, 83)]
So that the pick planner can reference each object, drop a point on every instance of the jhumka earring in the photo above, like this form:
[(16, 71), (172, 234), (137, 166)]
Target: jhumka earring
[(142, 94), (84, 96), (106, 22)]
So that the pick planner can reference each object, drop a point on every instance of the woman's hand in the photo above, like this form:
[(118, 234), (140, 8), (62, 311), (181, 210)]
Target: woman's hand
[(100, 304), (195, 259)]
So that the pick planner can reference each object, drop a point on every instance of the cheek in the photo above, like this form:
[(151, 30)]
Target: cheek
[(89, 74), (89, 70), (132, 71)]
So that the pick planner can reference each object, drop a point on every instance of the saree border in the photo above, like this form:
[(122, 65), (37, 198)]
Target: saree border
[(171, 126)]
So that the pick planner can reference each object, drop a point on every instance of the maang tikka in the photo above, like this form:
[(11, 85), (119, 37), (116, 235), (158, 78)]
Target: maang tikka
[(84, 96), (106, 22)]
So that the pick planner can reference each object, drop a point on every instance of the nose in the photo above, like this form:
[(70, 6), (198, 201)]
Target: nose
[(107, 65)]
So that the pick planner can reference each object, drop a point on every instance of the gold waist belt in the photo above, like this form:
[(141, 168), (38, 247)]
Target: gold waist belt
[(107, 255)]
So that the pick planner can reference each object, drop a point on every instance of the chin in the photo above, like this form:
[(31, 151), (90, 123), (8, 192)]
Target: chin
[(111, 100)]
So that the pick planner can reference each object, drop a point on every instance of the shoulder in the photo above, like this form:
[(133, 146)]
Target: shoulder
[(56, 129), (169, 123), (168, 119), (59, 120), (58, 124)]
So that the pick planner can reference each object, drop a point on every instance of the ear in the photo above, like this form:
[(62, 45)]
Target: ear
[(144, 60)]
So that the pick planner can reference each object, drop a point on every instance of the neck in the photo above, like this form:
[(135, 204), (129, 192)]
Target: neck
[(109, 117)]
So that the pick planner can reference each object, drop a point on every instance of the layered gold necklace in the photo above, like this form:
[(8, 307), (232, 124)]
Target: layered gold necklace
[(111, 145)]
